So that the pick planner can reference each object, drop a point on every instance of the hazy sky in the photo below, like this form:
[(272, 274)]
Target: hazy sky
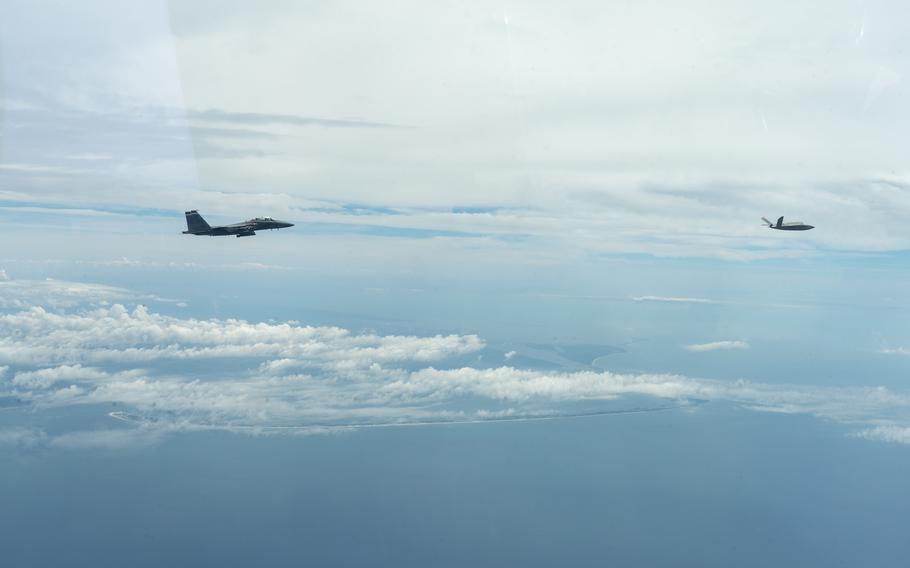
[(583, 127), (528, 231)]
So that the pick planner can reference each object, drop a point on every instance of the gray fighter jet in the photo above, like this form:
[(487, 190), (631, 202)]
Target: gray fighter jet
[(196, 225), (791, 226)]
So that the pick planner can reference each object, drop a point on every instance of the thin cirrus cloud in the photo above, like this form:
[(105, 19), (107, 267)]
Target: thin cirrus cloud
[(717, 346), (57, 294), (672, 300), (108, 439), (262, 118), (167, 374), (127, 262), (21, 437)]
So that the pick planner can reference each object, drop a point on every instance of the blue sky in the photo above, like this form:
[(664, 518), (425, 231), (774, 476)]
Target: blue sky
[(527, 312)]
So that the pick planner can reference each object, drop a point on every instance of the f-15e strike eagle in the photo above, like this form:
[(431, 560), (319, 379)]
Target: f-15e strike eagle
[(792, 226), (196, 225)]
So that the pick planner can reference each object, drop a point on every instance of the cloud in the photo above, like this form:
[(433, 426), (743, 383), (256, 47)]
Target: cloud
[(126, 262), (119, 439), (45, 378), (89, 156), (165, 374), (36, 169), (21, 438), (886, 433), (717, 345), (672, 300), (116, 335), (104, 439), (895, 351), (262, 118), (243, 133), (60, 294), (242, 376)]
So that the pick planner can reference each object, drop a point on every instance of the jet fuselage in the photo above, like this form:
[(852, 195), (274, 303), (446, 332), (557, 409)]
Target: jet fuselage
[(196, 225), (793, 227)]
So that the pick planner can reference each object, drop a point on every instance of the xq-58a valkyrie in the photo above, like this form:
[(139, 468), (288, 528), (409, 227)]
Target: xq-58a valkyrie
[(196, 225), (792, 226)]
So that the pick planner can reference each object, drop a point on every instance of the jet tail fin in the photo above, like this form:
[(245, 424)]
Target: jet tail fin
[(780, 221), (768, 222), (195, 222)]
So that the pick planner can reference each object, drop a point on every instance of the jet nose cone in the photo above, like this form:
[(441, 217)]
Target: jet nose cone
[(286, 225)]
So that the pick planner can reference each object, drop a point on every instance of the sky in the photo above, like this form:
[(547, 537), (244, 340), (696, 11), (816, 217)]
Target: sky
[(528, 312)]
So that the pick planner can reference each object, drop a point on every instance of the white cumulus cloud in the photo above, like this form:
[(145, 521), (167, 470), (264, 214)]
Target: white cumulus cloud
[(886, 433), (169, 374), (117, 335)]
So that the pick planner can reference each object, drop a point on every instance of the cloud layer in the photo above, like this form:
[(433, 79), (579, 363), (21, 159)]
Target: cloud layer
[(168, 374), (117, 335), (57, 294)]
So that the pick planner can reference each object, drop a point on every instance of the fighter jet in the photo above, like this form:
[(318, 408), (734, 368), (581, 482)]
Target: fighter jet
[(791, 226), (196, 225)]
